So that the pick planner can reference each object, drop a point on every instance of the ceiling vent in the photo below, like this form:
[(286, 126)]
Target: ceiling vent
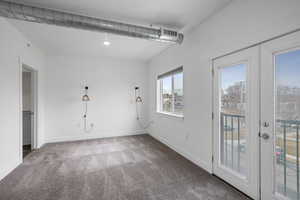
[(48, 16)]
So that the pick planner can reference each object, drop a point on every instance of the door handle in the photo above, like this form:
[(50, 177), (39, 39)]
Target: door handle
[(265, 136)]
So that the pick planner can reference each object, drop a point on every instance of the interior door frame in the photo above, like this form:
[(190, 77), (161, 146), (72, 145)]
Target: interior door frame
[(268, 52), (251, 58), (34, 98)]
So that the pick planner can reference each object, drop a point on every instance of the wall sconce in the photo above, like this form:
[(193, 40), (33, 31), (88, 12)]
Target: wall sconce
[(85, 98), (138, 98)]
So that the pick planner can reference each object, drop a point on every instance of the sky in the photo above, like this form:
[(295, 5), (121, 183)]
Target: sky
[(231, 75), (288, 69), (178, 83)]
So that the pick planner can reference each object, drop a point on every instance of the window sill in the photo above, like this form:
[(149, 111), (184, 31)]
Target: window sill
[(170, 114)]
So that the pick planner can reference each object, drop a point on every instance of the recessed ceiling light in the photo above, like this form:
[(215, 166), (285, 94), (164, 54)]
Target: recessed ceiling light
[(106, 43)]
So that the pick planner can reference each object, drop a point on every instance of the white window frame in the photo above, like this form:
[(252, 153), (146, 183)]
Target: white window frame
[(159, 100)]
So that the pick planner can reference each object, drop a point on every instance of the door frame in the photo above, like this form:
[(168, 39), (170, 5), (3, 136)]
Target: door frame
[(34, 106), (268, 52), (260, 45), (251, 58)]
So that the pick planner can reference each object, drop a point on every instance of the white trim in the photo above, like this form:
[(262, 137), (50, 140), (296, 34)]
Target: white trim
[(20, 111), (93, 136), (158, 95), (35, 85), (9, 169), (250, 184), (206, 166), (34, 81), (170, 114), (212, 155)]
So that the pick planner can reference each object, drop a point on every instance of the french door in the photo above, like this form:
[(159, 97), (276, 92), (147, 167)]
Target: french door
[(280, 117), (257, 119), (236, 121)]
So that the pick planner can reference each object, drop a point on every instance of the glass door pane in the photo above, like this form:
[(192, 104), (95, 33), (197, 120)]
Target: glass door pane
[(233, 132), (236, 120), (287, 121)]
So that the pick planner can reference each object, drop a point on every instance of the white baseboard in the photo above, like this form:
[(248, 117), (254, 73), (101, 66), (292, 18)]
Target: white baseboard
[(88, 136), (185, 154), (9, 169)]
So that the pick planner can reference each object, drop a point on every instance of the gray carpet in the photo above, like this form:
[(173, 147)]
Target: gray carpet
[(122, 168)]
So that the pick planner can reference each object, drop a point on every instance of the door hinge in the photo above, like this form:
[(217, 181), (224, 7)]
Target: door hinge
[(212, 116), (212, 159)]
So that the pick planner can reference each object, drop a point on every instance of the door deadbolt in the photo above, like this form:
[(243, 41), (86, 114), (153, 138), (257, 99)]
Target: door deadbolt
[(266, 124)]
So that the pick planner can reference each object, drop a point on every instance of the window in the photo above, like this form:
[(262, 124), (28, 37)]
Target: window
[(170, 92)]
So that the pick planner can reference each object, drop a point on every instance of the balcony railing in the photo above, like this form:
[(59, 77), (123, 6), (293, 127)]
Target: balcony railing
[(233, 151), (233, 144), (287, 157)]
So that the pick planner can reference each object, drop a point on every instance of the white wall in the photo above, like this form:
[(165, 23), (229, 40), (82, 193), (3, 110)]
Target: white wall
[(111, 88), (242, 23), (14, 46)]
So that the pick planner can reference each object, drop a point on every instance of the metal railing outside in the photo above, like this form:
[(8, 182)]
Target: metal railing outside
[(232, 142), (233, 148), (287, 157)]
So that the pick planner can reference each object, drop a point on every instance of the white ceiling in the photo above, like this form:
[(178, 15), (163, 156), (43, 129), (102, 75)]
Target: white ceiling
[(56, 40), (176, 14)]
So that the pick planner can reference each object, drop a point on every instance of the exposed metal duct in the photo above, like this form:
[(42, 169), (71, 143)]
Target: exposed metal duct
[(42, 15)]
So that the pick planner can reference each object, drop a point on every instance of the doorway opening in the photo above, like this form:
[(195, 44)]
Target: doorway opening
[(29, 109)]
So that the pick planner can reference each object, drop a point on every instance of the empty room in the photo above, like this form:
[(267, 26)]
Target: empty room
[(150, 100)]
